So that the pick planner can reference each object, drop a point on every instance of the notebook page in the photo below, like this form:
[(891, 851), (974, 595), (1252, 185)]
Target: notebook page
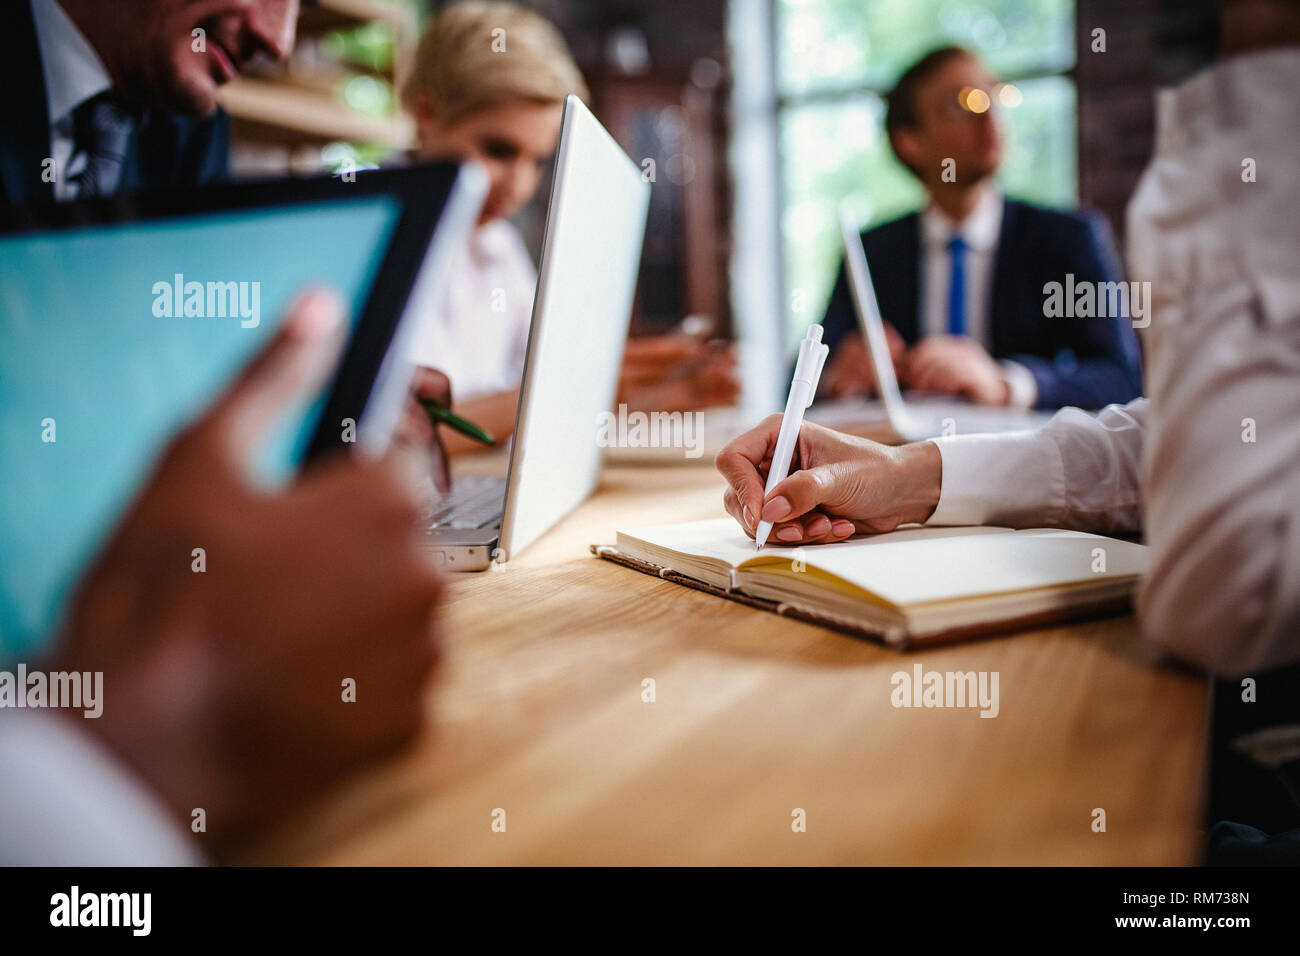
[(721, 539), (941, 564), (718, 538)]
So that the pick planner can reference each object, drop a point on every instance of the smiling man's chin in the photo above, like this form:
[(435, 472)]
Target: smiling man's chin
[(191, 87), (194, 96)]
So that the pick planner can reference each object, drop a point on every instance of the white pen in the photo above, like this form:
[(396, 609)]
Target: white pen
[(803, 388)]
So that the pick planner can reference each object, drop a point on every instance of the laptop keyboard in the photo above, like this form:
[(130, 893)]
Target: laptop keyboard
[(475, 501)]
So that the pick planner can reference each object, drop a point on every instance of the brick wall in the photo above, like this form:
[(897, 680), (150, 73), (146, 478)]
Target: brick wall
[(1149, 44)]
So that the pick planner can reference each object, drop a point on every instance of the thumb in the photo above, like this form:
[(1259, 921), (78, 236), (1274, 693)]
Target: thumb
[(289, 368), (800, 493), (431, 383)]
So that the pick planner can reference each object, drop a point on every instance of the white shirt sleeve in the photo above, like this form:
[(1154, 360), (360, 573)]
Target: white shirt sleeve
[(1220, 246), (66, 802), (1078, 471)]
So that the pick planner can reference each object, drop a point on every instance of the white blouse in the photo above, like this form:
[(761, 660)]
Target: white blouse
[(478, 334)]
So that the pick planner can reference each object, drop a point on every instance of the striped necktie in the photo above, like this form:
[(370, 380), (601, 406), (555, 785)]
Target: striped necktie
[(957, 287), (101, 129)]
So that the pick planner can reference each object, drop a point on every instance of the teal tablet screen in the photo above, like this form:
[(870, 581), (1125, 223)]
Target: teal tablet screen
[(111, 337)]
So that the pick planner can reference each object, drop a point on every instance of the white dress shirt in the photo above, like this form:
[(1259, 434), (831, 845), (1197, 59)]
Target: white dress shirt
[(73, 74), (981, 230), (478, 334), (1221, 511), (66, 802)]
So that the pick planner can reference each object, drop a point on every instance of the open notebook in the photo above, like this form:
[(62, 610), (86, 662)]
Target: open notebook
[(912, 585)]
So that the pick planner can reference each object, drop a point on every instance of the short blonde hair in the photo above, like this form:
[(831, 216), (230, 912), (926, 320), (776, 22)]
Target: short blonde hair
[(475, 55)]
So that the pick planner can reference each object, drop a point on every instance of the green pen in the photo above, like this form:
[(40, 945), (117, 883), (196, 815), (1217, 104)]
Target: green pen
[(441, 415)]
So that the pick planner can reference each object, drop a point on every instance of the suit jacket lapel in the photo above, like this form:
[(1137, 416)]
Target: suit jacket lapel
[(25, 122), (1009, 258), (908, 308)]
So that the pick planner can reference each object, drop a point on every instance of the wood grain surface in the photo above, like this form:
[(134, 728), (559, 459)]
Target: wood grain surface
[(538, 712)]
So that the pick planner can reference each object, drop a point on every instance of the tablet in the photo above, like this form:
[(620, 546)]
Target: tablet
[(121, 319)]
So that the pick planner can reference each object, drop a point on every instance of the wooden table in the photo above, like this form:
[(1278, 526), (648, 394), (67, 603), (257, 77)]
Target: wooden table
[(538, 711)]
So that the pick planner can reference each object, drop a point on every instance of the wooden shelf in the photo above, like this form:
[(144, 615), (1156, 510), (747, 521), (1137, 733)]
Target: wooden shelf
[(335, 14), (281, 116), (276, 112)]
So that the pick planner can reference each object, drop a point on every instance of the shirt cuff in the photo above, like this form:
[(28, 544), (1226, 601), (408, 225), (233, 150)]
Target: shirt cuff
[(1014, 479), (67, 802), (1021, 383)]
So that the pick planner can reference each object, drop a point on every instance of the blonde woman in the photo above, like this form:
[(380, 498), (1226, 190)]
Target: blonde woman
[(488, 84)]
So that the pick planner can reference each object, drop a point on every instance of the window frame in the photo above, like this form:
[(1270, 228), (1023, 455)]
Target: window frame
[(785, 102)]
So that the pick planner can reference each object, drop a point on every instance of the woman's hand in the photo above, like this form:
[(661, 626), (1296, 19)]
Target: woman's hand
[(414, 430), (838, 485)]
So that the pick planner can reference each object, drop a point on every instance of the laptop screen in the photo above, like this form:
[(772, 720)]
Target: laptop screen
[(111, 337)]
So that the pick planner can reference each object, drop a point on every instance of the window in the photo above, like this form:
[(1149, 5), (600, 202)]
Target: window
[(835, 59)]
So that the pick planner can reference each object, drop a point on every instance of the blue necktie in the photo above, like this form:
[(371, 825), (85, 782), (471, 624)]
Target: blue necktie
[(957, 287), (102, 128)]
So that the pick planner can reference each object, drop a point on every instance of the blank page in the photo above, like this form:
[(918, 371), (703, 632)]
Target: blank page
[(919, 565)]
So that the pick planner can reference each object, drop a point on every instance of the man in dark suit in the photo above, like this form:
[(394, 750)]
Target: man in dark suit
[(121, 96), (963, 284)]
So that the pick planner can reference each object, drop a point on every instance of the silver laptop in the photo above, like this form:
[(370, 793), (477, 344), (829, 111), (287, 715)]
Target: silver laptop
[(918, 417), (585, 284)]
